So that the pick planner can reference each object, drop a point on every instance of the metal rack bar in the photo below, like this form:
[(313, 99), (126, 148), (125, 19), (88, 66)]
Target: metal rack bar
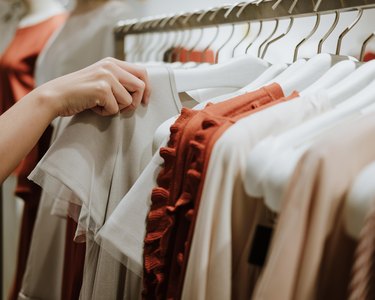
[(252, 12)]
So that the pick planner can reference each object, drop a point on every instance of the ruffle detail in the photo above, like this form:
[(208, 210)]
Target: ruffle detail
[(174, 202), (167, 208)]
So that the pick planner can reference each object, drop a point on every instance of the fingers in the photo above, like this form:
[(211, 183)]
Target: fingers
[(132, 84), (137, 71), (107, 106)]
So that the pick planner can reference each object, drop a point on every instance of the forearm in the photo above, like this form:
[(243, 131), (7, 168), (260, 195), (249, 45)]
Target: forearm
[(21, 127)]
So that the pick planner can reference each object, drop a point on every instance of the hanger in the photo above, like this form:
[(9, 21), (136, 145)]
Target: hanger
[(164, 46), (345, 32), (364, 46), (131, 55), (296, 50), (269, 37), (313, 69), (242, 70), (177, 36), (242, 39), (190, 50), (256, 37), (331, 29), (226, 15), (152, 43), (291, 22)]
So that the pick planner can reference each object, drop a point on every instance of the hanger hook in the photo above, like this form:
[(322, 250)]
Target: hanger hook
[(269, 37), (188, 54), (364, 45), (152, 47), (214, 13), (345, 32), (167, 34), (210, 44), (256, 37), (241, 10), (243, 38), (291, 22), (224, 44), (277, 3), (229, 11), (317, 5), (291, 8), (202, 14), (325, 37), (315, 28)]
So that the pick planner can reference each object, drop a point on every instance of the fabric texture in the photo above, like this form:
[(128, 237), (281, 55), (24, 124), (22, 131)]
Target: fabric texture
[(362, 284), (172, 208), (48, 246), (310, 244), (218, 266), (93, 164)]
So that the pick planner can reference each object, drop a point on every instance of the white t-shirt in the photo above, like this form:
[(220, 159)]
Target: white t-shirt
[(222, 234), (271, 164)]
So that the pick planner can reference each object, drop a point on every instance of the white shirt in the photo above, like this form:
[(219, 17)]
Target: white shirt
[(223, 208)]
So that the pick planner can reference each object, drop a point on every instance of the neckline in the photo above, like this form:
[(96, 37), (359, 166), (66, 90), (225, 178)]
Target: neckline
[(173, 88)]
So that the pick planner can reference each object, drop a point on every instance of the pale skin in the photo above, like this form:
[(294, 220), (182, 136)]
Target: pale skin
[(106, 87)]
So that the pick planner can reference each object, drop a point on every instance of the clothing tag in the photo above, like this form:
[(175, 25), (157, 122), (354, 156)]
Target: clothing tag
[(260, 245)]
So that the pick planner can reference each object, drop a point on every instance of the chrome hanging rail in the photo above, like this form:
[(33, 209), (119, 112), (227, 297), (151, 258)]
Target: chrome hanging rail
[(263, 11)]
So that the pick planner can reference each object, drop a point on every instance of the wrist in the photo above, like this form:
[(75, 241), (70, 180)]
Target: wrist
[(45, 101)]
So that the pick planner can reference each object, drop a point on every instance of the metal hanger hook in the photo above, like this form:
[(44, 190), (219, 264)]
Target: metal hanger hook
[(244, 38), (242, 9), (269, 37), (331, 29), (229, 11), (210, 44), (223, 45), (364, 46), (345, 32), (315, 28), (256, 37), (291, 22)]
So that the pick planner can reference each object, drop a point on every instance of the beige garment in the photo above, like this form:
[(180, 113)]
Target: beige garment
[(93, 164), (45, 262), (311, 255), (362, 284)]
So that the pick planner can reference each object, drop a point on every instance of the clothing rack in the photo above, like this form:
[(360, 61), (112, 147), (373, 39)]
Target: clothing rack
[(238, 13)]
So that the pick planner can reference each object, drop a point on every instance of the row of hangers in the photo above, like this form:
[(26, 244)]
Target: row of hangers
[(150, 45), (344, 79)]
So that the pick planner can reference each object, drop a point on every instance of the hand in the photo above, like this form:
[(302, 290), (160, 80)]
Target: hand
[(106, 87)]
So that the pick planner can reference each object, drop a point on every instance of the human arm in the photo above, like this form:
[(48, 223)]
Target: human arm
[(106, 87)]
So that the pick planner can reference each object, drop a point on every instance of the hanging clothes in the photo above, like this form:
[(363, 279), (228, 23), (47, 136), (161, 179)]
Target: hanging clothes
[(174, 199), (115, 143), (317, 247), (227, 215), (17, 66)]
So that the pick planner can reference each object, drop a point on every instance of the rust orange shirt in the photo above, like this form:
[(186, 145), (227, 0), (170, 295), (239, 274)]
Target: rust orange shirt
[(173, 201)]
